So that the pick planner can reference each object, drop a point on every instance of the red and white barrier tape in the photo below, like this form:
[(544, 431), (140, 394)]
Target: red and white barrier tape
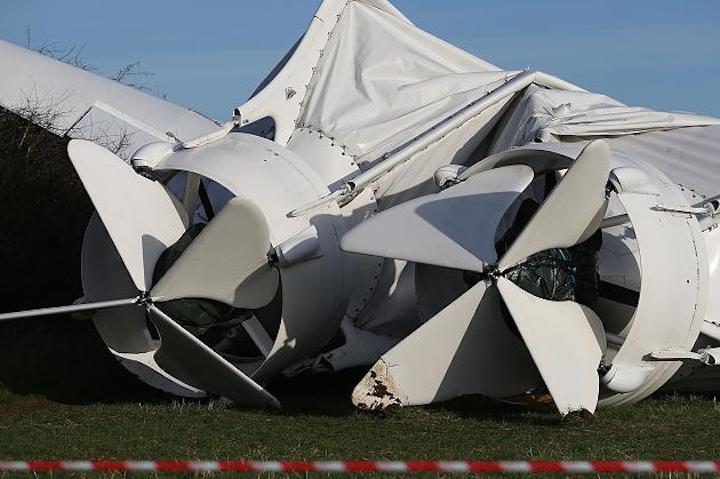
[(575, 467)]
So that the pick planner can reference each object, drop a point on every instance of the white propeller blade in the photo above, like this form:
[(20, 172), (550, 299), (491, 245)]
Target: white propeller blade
[(572, 212), (464, 349), (75, 308), (138, 213), (227, 262), (207, 368), (454, 228), (565, 340)]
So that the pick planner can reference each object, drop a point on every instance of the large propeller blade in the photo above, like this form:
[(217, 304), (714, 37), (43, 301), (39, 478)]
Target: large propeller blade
[(572, 212), (454, 228), (205, 367), (466, 348), (566, 341), (139, 214), (227, 262)]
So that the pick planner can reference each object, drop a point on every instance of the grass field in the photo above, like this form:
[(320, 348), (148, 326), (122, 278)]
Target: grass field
[(65, 397), (319, 423)]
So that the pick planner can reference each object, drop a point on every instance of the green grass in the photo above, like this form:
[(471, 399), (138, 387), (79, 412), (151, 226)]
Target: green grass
[(319, 423)]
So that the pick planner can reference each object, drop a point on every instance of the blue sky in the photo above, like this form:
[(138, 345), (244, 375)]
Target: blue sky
[(210, 55)]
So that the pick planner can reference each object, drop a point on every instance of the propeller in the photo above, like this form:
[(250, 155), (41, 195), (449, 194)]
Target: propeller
[(208, 369), (227, 262), (436, 229), (465, 348), (139, 214)]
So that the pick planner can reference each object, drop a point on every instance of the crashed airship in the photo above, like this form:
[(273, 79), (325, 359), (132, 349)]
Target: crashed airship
[(386, 200)]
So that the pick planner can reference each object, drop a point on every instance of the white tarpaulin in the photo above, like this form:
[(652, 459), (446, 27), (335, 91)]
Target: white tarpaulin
[(381, 81), (688, 156), (550, 115)]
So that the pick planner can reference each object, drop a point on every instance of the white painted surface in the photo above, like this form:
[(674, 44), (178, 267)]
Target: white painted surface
[(208, 368), (555, 225), (35, 81), (139, 214), (227, 262), (566, 341), (455, 228)]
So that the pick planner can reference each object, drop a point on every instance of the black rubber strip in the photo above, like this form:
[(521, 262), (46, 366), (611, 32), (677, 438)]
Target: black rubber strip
[(619, 294), (205, 200)]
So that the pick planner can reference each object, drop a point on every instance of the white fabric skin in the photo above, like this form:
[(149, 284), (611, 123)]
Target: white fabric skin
[(549, 116), (381, 81)]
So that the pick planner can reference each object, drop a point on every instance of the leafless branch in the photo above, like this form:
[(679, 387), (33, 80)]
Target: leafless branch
[(71, 55), (131, 71)]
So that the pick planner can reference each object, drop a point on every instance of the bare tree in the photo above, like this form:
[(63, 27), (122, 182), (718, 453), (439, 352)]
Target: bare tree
[(128, 75), (131, 74), (46, 112), (71, 55)]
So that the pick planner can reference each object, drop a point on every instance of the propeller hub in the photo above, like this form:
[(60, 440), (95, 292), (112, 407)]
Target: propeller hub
[(144, 299), (492, 272)]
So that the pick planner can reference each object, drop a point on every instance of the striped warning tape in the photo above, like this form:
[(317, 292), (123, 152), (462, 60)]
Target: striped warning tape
[(575, 467)]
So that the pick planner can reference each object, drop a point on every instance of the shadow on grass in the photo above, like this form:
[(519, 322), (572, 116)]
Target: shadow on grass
[(64, 360), (43, 218), (316, 394), (330, 395)]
